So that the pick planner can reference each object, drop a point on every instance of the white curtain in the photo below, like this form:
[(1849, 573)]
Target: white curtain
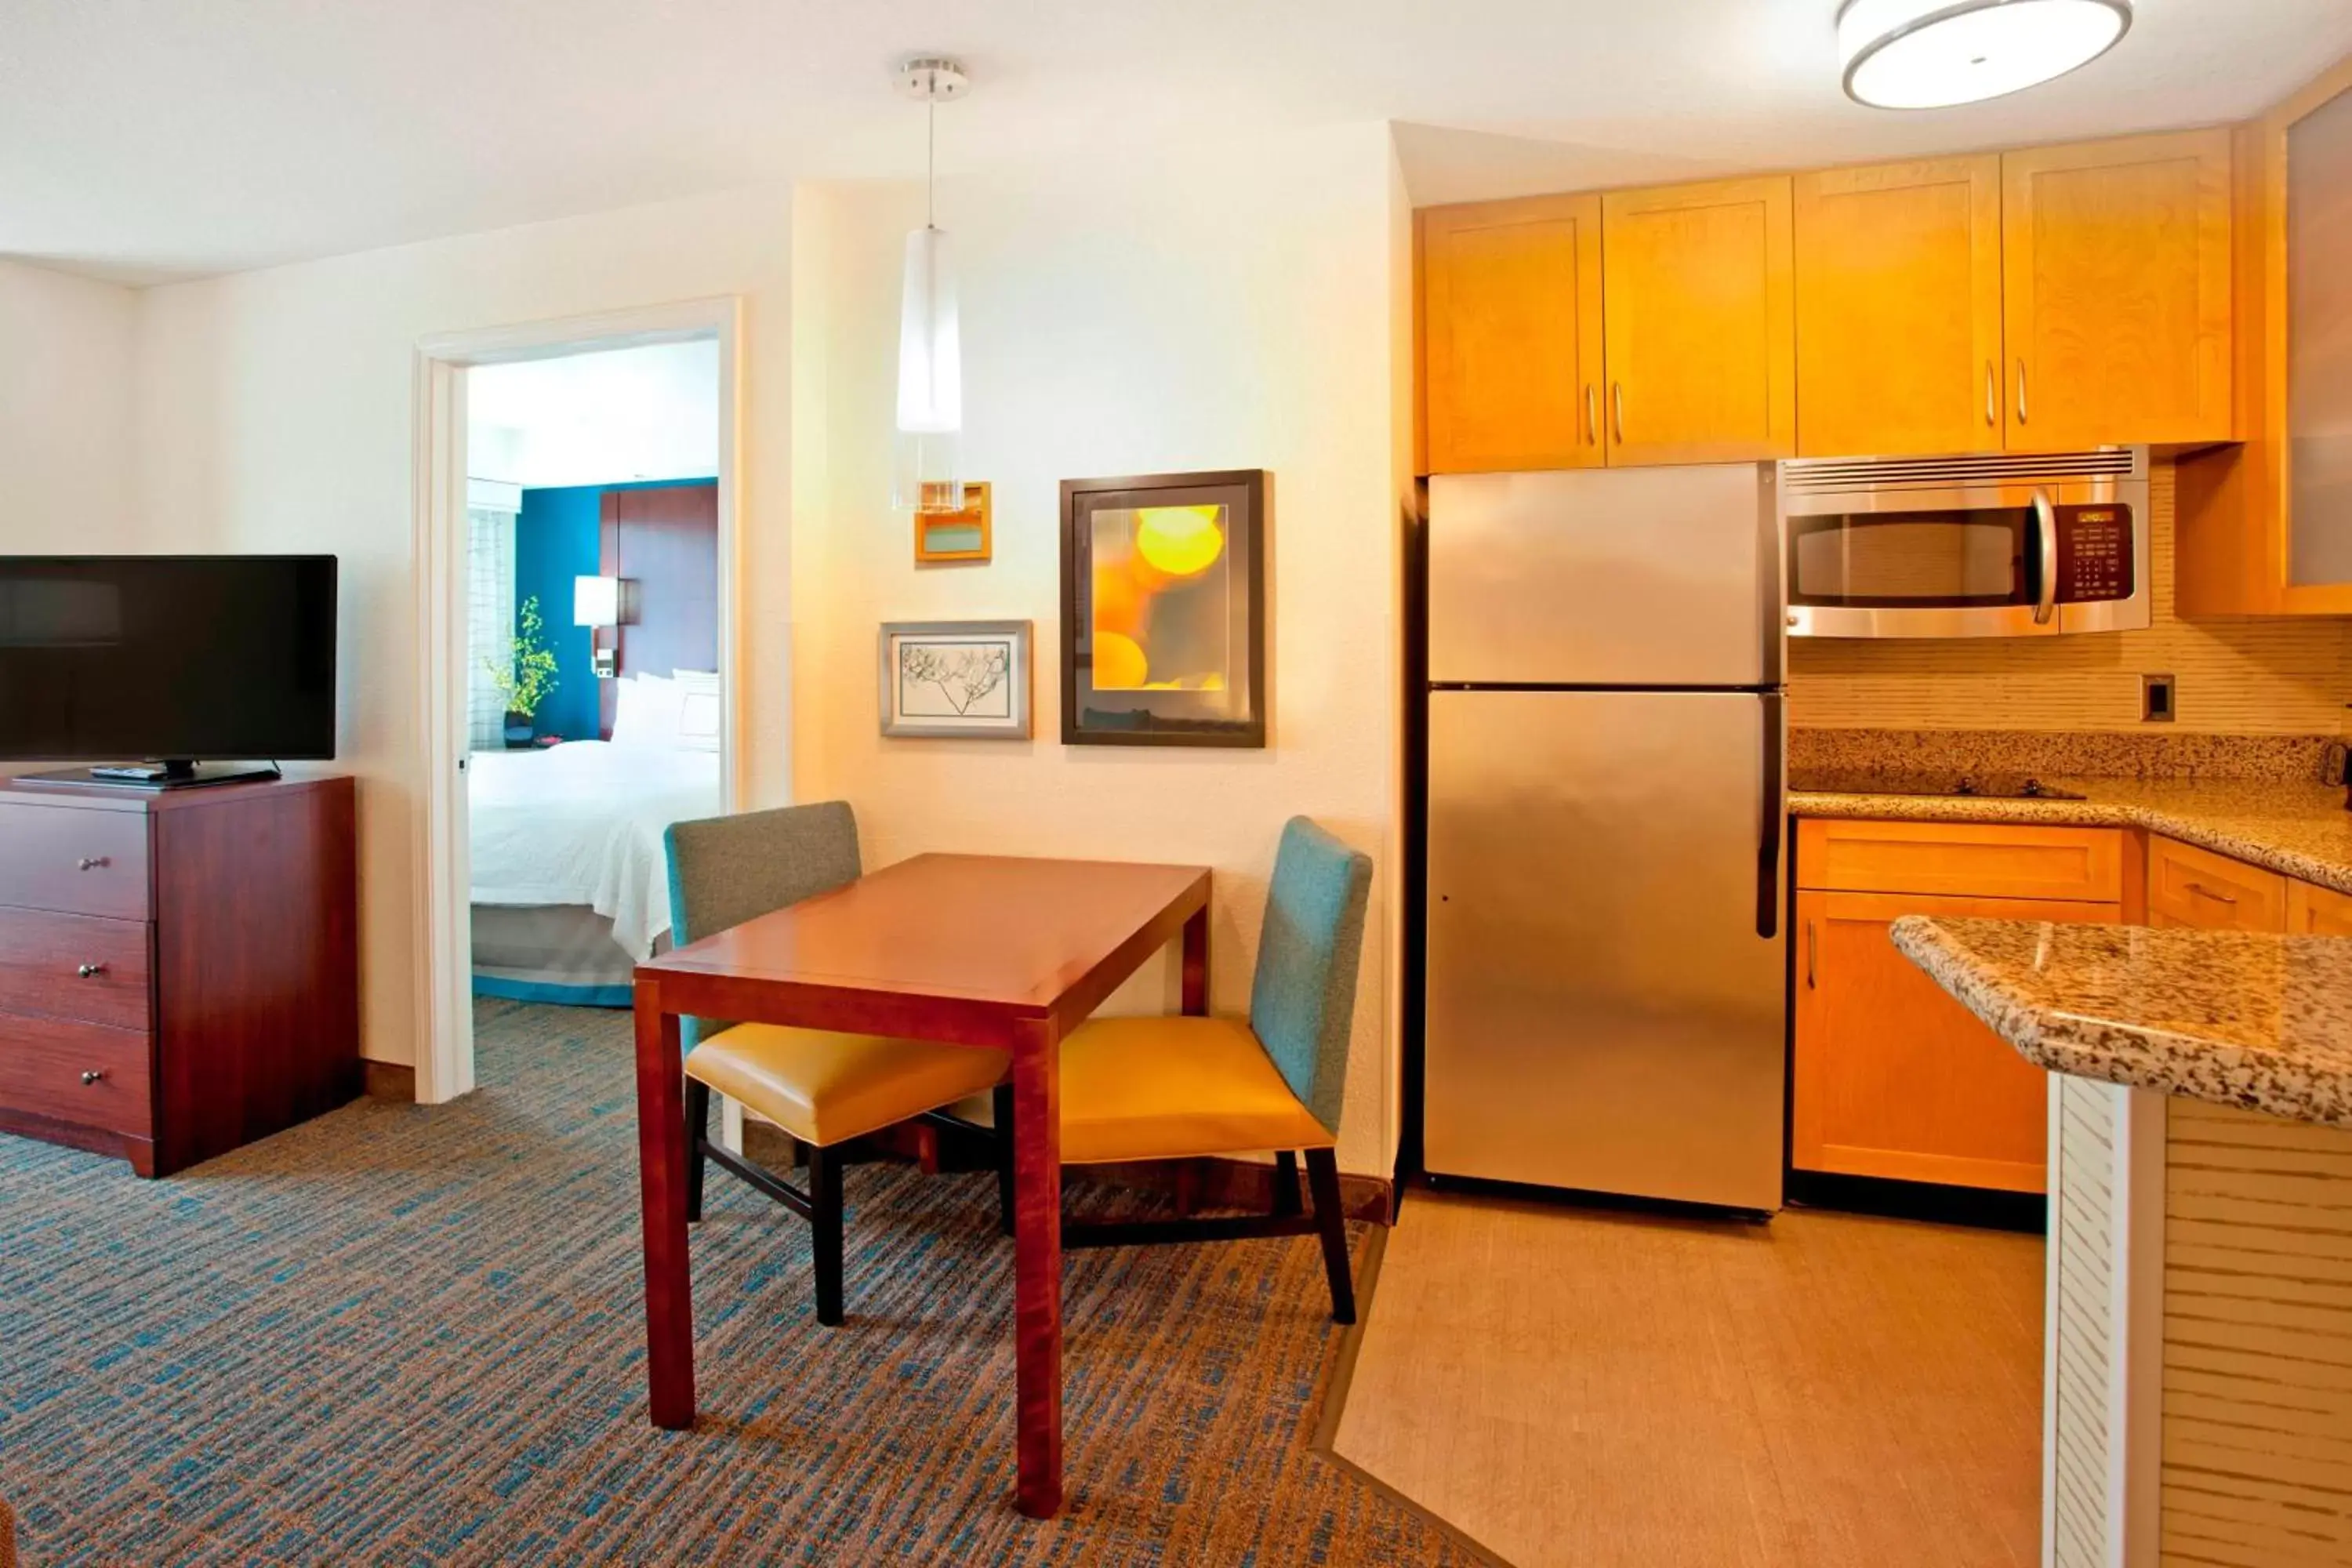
[(490, 620)]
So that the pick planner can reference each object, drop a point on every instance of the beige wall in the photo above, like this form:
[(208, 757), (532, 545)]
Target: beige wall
[(1227, 307), (275, 413), (65, 346), (2244, 676)]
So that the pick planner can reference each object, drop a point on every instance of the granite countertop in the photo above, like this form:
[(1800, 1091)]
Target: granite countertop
[(2296, 829), (2235, 1018)]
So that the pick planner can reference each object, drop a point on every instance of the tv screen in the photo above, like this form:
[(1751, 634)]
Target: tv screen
[(108, 658)]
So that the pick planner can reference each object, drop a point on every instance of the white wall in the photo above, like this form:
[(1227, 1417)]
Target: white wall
[(275, 413), (65, 347), (1223, 307)]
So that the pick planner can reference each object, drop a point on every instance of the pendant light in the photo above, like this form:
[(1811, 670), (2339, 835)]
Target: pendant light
[(1929, 54), (926, 473)]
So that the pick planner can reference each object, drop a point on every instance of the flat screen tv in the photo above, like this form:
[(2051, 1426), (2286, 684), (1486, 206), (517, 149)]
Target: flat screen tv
[(159, 662)]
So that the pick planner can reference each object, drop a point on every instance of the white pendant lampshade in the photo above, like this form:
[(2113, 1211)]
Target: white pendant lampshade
[(930, 349), (1929, 54)]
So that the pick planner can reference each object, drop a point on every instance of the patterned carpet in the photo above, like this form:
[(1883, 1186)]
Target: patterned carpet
[(407, 1334)]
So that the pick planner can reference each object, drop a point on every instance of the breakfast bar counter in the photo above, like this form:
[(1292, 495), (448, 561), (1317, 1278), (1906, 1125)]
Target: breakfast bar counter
[(2238, 1019)]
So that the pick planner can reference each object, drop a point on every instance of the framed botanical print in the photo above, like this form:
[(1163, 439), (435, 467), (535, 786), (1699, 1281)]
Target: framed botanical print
[(956, 679), (1163, 610)]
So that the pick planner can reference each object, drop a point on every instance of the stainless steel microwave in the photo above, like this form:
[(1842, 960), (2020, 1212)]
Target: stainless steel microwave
[(1996, 546)]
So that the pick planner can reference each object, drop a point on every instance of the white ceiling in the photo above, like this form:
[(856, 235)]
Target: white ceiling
[(144, 139), (604, 418)]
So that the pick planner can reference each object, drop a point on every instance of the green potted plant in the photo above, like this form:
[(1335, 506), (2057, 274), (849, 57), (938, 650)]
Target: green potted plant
[(527, 675)]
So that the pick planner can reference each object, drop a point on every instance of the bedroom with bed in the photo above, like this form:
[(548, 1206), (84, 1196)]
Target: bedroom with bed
[(595, 697)]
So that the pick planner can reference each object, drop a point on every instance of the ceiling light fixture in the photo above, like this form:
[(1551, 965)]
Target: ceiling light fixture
[(1929, 54), (925, 476)]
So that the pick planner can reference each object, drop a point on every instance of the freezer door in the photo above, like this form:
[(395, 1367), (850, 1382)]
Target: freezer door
[(1602, 1013), (1662, 576)]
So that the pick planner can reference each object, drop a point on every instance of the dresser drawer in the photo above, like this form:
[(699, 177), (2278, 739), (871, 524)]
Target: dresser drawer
[(1965, 859), (83, 1073), (74, 966), (73, 858), (2197, 888)]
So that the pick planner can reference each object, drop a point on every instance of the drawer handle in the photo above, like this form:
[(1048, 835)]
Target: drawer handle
[(90, 971), (2202, 891), (92, 863), (92, 1075)]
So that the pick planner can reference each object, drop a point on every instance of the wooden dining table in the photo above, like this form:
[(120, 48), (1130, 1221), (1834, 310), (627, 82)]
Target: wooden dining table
[(993, 951)]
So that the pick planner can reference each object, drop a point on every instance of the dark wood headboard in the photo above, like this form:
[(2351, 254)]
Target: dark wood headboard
[(664, 539)]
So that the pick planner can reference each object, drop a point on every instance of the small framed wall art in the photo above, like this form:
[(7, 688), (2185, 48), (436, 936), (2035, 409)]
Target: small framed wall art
[(1163, 610), (956, 679), (949, 537)]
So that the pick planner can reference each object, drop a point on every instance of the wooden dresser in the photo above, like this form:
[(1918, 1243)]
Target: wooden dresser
[(179, 971)]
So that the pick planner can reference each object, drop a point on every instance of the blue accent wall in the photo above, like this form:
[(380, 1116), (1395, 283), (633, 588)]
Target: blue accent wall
[(556, 539)]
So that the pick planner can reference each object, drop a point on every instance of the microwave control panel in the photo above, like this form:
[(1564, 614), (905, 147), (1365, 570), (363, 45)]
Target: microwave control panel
[(2094, 553)]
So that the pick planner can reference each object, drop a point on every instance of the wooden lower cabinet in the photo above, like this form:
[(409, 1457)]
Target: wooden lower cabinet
[(2196, 889), (2313, 910), (1893, 1079)]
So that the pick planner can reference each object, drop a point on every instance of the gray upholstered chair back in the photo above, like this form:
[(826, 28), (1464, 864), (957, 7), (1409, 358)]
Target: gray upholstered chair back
[(724, 870), (1303, 999)]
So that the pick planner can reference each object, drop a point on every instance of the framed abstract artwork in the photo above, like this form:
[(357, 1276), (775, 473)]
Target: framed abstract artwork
[(1163, 610), (956, 679), (948, 537)]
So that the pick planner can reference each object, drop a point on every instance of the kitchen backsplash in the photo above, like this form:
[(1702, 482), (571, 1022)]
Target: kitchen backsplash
[(2058, 754), (2268, 677)]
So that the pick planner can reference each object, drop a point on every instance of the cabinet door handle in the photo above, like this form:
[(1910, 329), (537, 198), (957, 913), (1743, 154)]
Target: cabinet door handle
[(2203, 891), (1992, 393), (2020, 392), (1617, 406), (1591, 416), (92, 1075), (91, 863), (90, 971), (1812, 947)]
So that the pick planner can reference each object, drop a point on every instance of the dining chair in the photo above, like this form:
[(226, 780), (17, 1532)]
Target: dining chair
[(1174, 1088), (823, 1088)]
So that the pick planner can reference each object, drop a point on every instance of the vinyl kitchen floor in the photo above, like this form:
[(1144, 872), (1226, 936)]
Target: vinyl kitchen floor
[(1573, 1387)]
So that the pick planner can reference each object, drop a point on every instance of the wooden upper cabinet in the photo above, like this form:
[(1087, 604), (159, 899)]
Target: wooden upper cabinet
[(1511, 334), (2117, 297), (1701, 323), (1898, 309)]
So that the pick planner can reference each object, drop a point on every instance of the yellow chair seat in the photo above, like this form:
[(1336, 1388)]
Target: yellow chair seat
[(1157, 1088), (822, 1087)]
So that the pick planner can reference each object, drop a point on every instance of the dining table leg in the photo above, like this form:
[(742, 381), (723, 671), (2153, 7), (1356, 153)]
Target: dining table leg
[(1037, 1265), (1196, 964), (661, 1173)]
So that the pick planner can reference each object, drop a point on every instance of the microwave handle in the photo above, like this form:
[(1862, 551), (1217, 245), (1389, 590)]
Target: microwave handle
[(2046, 522)]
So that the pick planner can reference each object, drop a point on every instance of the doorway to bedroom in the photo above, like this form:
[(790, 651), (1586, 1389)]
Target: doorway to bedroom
[(593, 683), (577, 544)]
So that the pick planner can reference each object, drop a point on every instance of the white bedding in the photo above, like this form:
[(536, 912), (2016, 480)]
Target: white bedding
[(582, 823)]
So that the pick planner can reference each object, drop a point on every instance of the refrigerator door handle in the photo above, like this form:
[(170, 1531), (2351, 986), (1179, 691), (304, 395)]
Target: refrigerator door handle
[(1772, 814)]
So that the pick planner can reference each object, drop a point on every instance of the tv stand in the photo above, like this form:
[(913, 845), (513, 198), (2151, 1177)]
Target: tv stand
[(173, 774), (179, 969)]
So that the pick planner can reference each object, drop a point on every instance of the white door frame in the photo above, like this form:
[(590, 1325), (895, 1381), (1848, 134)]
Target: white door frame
[(443, 968)]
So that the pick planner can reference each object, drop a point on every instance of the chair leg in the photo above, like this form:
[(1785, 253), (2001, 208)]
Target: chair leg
[(1003, 1116), (824, 1226), (1285, 1183), (698, 1133), (1323, 1178)]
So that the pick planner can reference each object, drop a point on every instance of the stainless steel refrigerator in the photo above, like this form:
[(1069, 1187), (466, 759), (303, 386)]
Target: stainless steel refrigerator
[(1606, 993)]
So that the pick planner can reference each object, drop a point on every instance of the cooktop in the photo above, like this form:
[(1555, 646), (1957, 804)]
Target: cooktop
[(1856, 781)]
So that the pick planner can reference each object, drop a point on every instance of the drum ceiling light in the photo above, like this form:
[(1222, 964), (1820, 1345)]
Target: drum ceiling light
[(1930, 53)]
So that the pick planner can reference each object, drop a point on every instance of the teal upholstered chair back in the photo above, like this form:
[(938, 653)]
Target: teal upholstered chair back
[(724, 870), (1303, 998)]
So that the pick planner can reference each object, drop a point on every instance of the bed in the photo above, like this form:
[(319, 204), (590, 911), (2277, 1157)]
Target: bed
[(571, 886)]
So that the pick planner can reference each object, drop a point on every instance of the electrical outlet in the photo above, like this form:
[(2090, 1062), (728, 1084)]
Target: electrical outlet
[(2156, 705)]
